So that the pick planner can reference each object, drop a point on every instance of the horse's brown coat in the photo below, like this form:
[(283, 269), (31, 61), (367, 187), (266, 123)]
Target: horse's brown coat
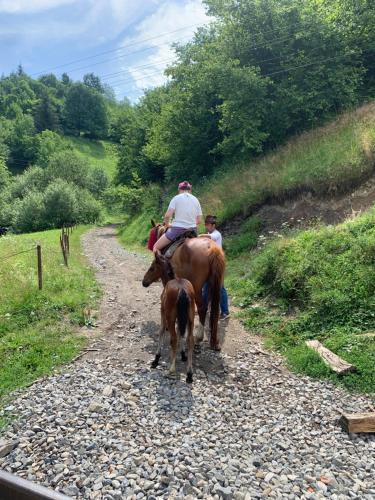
[(198, 260)]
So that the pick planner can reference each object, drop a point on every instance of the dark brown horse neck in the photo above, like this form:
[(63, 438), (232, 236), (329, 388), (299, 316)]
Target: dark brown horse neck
[(167, 272)]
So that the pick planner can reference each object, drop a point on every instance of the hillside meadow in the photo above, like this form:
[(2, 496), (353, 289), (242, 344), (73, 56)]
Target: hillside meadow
[(38, 328)]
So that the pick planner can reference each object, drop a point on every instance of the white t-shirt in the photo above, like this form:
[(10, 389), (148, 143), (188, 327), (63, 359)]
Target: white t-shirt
[(216, 236), (187, 208)]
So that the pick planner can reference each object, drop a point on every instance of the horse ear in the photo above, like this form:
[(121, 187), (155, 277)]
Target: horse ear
[(153, 223)]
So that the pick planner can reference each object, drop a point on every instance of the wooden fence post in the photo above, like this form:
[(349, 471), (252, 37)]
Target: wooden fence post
[(39, 257), (63, 246)]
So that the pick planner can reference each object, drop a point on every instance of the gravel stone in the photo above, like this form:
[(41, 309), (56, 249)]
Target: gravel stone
[(109, 427)]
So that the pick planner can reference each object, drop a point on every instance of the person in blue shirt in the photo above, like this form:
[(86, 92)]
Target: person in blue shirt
[(215, 235)]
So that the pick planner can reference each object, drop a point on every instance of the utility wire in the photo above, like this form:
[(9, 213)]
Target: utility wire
[(271, 73), (114, 50)]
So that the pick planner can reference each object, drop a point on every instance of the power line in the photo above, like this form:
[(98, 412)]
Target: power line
[(147, 49), (114, 50), (142, 41), (276, 72), (118, 73)]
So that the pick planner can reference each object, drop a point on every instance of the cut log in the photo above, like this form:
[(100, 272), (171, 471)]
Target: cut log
[(368, 334), (358, 422), (336, 363)]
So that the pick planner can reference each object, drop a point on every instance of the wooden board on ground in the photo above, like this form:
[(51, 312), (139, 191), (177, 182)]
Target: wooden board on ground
[(336, 363), (358, 422)]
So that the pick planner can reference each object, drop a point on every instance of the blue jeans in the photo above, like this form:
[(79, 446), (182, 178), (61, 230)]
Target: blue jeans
[(224, 307)]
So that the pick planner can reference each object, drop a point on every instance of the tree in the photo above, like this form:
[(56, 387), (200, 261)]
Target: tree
[(68, 166), (21, 142), (93, 81), (4, 176), (47, 144), (60, 202), (46, 114), (85, 112)]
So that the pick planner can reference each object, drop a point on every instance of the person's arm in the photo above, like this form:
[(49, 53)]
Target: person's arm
[(199, 219), (168, 215)]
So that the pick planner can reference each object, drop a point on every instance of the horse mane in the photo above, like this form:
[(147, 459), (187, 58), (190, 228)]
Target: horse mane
[(168, 269)]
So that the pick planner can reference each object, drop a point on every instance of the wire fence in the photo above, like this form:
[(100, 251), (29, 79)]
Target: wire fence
[(66, 231)]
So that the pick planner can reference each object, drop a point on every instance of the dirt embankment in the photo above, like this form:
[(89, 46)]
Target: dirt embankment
[(308, 209)]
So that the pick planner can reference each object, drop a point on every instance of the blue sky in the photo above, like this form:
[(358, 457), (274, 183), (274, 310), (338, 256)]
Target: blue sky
[(45, 35)]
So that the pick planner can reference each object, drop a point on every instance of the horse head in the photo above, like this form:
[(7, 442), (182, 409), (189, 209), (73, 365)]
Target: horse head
[(154, 272), (160, 268)]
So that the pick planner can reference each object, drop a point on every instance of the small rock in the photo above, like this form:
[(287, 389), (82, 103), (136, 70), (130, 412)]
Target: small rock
[(108, 390), (6, 447)]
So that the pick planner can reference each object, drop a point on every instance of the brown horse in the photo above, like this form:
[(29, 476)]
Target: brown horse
[(177, 303), (198, 260)]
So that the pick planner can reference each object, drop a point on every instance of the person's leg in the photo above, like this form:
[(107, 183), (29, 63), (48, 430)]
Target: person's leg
[(162, 242), (224, 306)]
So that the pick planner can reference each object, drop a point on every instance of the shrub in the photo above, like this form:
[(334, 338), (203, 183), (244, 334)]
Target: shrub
[(68, 166), (61, 206), (29, 213)]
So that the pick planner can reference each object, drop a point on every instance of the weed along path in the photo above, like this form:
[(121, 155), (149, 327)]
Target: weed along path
[(108, 426)]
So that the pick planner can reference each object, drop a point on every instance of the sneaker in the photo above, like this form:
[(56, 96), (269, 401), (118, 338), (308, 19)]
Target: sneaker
[(224, 316)]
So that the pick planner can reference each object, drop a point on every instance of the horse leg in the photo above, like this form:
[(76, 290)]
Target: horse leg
[(183, 345), (174, 340), (202, 311), (190, 342), (162, 331)]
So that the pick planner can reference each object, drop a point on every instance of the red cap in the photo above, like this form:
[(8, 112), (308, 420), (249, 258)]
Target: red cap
[(185, 185)]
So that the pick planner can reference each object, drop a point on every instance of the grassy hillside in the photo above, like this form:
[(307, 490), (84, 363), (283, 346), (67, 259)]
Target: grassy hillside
[(325, 160), (98, 153), (37, 327), (318, 284)]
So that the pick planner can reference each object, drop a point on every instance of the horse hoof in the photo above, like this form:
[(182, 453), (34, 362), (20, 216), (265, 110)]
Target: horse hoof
[(183, 356), (216, 347), (189, 378), (154, 364)]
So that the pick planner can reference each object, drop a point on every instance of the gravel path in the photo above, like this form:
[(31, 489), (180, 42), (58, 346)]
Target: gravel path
[(109, 427)]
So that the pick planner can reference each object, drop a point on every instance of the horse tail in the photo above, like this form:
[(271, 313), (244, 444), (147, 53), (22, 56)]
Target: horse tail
[(183, 302), (215, 282)]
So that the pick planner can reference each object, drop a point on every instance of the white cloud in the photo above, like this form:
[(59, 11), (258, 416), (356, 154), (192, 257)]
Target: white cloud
[(175, 21), (27, 6)]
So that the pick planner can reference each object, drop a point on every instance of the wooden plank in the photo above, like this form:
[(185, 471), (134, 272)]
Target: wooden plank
[(358, 422), (336, 363), (368, 334), (15, 488)]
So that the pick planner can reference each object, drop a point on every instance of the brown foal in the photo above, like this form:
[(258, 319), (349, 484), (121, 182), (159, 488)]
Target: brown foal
[(177, 303)]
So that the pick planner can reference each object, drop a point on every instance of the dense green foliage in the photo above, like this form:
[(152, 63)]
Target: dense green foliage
[(55, 180), (323, 284), (37, 327), (264, 70), (60, 189)]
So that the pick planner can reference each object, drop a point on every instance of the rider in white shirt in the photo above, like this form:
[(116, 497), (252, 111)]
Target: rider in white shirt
[(187, 214)]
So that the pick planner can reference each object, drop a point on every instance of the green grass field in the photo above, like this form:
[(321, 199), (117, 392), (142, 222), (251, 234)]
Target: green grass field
[(98, 153), (38, 328)]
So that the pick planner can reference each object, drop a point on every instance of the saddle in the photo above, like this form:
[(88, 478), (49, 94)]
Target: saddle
[(170, 249)]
